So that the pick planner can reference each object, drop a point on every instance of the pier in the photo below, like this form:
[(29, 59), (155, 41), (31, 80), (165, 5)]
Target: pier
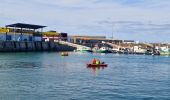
[(73, 44), (15, 46)]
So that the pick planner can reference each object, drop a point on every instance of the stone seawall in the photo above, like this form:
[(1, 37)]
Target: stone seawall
[(15, 46)]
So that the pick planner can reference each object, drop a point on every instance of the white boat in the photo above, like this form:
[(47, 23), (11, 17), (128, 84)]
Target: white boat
[(165, 51), (84, 49), (101, 50)]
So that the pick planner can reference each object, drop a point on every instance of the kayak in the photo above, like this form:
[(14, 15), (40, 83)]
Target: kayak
[(95, 65), (64, 54)]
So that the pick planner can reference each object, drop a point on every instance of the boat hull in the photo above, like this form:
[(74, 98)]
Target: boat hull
[(95, 65), (64, 55), (165, 52), (84, 50), (102, 51)]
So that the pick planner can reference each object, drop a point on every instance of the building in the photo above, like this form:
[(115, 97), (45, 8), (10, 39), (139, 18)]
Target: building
[(54, 36), (91, 39), (21, 32), (63, 36), (85, 39), (51, 36), (128, 41)]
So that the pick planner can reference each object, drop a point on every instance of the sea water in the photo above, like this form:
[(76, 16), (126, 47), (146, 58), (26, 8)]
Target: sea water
[(50, 76)]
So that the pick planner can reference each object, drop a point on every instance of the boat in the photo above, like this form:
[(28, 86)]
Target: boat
[(101, 50), (139, 50), (96, 65), (64, 54), (84, 49), (148, 52), (115, 50), (164, 51)]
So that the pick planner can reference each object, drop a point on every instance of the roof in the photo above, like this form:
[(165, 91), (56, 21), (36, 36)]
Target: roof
[(22, 25), (79, 36)]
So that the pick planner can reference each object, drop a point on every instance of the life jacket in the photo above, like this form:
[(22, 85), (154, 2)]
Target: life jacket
[(97, 62), (94, 61)]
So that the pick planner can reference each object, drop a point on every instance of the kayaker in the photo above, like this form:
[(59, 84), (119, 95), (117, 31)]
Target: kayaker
[(103, 62), (97, 61), (94, 61), (62, 53)]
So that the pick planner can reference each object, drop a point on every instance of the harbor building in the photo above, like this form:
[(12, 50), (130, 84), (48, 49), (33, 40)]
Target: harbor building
[(54, 36), (21, 37), (21, 32), (51, 36), (91, 39)]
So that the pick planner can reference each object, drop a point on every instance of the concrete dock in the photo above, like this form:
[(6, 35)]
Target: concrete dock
[(15, 46)]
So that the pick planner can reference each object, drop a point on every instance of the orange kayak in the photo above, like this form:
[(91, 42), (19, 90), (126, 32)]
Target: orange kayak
[(95, 65)]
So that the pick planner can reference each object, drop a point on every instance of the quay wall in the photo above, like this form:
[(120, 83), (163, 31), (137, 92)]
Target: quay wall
[(15, 46)]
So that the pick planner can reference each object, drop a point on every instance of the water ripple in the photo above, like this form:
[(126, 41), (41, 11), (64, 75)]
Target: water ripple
[(48, 76)]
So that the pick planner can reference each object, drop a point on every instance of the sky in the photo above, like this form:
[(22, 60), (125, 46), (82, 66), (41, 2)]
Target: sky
[(140, 20)]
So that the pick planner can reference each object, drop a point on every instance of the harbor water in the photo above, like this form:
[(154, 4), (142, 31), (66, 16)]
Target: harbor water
[(50, 76)]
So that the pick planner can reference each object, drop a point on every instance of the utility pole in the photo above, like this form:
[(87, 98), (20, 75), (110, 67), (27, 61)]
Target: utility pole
[(112, 30)]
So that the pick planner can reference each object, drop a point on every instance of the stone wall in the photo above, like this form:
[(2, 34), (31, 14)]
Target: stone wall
[(15, 46)]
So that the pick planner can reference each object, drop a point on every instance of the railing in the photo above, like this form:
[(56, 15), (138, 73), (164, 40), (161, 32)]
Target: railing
[(72, 44)]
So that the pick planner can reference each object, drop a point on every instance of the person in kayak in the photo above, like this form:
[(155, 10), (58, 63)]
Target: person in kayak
[(94, 61), (103, 62), (97, 62), (62, 53)]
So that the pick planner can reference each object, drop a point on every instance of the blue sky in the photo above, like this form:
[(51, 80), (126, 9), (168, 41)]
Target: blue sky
[(143, 20)]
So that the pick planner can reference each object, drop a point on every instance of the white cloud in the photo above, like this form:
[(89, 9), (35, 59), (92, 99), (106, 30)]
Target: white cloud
[(82, 16)]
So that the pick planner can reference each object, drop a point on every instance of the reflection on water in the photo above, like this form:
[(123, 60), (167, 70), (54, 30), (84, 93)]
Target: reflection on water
[(96, 70), (18, 64)]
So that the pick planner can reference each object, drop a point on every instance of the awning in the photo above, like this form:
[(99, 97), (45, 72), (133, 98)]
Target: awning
[(22, 25)]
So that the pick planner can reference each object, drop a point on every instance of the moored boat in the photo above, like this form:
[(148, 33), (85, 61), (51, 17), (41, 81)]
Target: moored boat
[(84, 49), (101, 50), (148, 52), (64, 54), (165, 51)]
